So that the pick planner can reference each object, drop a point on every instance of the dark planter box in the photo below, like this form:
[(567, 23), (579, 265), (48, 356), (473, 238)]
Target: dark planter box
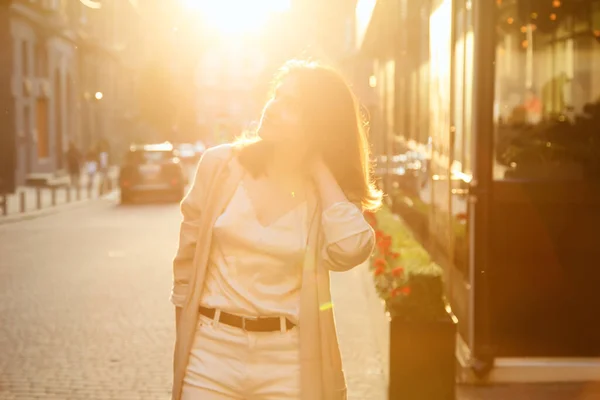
[(422, 359)]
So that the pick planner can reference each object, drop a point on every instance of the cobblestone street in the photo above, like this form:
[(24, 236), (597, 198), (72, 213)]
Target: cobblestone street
[(84, 312)]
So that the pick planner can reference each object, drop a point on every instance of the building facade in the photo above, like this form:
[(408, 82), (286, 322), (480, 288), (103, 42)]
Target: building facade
[(489, 148), (71, 79)]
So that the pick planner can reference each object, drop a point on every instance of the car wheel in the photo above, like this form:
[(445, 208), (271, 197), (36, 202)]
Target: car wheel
[(125, 197)]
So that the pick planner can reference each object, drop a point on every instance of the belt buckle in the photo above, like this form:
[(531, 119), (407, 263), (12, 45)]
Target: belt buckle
[(244, 322)]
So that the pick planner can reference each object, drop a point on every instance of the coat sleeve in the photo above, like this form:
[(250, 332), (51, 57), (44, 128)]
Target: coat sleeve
[(349, 239), (191, 210)]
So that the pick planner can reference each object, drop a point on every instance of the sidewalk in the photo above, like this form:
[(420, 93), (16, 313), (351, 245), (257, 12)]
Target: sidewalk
[(540, 391), (358, 335), (29, 201)]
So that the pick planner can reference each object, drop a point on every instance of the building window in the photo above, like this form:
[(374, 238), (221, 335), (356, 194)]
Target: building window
[(547, 97), (43, 143), (24, 59), (27, 138), (41, 59), (463, 87), (58, 119), (26, 133)]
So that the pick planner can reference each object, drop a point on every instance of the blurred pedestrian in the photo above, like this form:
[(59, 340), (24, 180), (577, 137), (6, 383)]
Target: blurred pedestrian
[(103, 167), (103, 164), (266, 220), (74, 163), (91, 168)]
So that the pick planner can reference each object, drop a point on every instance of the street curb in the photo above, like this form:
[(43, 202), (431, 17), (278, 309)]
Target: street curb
[(8, 219)]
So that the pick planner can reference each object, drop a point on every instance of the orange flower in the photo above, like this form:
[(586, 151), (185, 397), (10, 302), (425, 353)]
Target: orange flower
[(379, 270), (384, 243), (405, 290), (462, 216), (395, 255), (380, 262), (398, 271)]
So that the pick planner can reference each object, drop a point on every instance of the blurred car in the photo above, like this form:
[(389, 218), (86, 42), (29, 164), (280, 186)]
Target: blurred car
[(152, 168), (187, 153), (190, 153), (406, 171)]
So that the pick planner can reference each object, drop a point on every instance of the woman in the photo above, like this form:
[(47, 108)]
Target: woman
[(263, 224)]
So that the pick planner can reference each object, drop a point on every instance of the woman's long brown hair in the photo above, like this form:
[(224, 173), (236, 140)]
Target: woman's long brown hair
[(333, 125)]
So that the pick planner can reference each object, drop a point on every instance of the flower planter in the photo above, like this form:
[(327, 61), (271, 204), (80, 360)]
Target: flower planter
[(422, 332), (422, 359)]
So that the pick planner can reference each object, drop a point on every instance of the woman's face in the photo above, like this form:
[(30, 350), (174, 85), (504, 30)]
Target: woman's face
[(281, 118)]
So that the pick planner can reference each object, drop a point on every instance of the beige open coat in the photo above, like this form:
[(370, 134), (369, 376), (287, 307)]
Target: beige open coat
[(217, 178)]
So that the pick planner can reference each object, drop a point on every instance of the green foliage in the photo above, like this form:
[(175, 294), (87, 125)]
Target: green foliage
[(405, 277)]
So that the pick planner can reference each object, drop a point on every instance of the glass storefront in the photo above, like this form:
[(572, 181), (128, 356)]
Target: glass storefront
[(547, 91), (461, 161), (426, 100), (451, 91), (495, 239), (440, 105)]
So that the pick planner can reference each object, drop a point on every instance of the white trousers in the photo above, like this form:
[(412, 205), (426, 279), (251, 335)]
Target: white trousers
[(229, 363)]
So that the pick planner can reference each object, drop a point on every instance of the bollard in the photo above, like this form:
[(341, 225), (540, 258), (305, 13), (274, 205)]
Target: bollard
[(4, 204), (68, 188), (78, 192), (22, 202), (53, 195), (38, 198)]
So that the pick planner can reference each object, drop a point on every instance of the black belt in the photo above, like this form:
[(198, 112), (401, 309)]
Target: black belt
[(250, 324)]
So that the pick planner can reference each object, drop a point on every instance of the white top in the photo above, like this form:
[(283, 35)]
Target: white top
[(256, 270), (91, 167)]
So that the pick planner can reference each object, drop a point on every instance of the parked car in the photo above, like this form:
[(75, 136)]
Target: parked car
[(152, 169), (188, 154)]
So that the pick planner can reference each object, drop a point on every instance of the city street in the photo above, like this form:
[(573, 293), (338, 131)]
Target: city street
[(84, 311), (477, 120)]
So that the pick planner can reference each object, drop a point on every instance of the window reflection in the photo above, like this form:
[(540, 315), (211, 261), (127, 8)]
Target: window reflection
[(461, 162), (547, 95)]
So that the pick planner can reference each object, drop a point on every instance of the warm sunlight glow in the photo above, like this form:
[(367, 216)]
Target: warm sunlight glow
[(372, 81), (235, 17), (364, 11), (95, 5)]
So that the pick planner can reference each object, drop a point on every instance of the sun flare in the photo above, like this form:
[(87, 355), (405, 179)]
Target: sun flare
[(236, 17)]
